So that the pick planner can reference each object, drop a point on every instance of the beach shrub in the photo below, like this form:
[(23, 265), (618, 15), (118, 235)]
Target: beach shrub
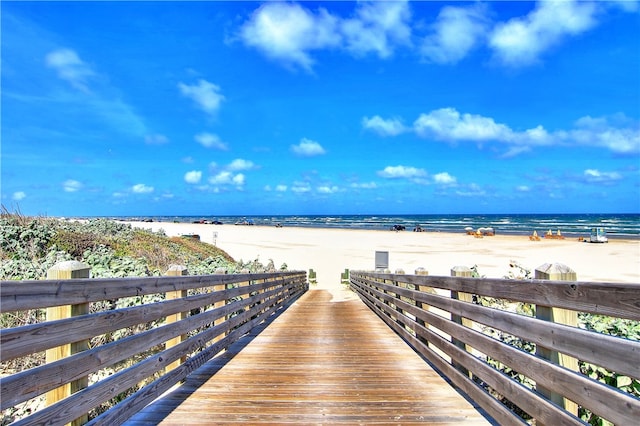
[(627, 329)]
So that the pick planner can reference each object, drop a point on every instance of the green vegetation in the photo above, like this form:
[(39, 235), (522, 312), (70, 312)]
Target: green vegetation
[(29, 246)]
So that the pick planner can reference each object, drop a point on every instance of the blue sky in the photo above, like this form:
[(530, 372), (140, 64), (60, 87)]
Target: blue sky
[(221, 108)]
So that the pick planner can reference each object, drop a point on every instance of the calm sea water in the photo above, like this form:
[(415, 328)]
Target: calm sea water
[(616, 225)]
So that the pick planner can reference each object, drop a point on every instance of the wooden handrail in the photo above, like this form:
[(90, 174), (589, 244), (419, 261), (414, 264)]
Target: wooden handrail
[(437, 336), (215, 311)]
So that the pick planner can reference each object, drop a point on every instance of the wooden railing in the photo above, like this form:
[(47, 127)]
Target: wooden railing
[(450, 328), (170, 326)]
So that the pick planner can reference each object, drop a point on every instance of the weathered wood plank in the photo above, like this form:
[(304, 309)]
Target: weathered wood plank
[(524, 398), (621, 300), (28, 384), (606, 351), (601, 399), (23, 295), (319, 362), (118, 382), (21, 341), (140, 399)]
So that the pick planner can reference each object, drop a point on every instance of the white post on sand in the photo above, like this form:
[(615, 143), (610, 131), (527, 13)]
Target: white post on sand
[(557, 272)]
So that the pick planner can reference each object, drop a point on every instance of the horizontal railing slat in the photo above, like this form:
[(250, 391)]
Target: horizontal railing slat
[(621, 300), (140, 399), (38, 294), (610, 352), (251, 300), (21, 341), (493, 407), (385, 294), (23, 386), (525, 398), (603, 400), (81, 402)]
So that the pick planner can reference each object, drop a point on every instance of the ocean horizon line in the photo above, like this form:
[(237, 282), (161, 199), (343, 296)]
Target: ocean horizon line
[(622, 225)]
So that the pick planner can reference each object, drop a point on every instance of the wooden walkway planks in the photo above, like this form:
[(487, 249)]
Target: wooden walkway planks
[(320, 362)]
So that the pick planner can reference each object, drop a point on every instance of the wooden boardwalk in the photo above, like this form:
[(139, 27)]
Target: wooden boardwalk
[(320, 362)]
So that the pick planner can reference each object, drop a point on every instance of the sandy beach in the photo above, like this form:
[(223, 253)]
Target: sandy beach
[(330, 251)]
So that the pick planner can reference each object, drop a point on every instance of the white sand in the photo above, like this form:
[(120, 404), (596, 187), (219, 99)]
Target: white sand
[(330, 251)]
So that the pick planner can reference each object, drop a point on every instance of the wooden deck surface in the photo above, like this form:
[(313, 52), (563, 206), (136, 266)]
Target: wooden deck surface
[(320, 362)]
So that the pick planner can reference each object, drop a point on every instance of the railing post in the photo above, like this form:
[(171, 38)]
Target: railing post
[(221, 303), (400, 311), (461, 271), (557, 272), (64, 271), (344, 277), (420, 271), (175, 271)]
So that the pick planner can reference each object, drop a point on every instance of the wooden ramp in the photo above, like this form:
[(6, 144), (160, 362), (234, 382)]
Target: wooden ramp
[(320, 362)]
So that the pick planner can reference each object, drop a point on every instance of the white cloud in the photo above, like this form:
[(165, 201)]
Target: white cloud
[(456, 32), (389, 127), (239, 164), (378, 27), (205, 94), (287, 32), (301, 187), (290, 32), (405, 172), (596, 176), (211, 140), (221, 178), (328, 189), (156, 139), (71, 185), (308, 148), (444, 178), (448, 124), (70, 68), (227, 175), (278, 188), (364, 185), (522, 40), (193, 177), (472, 190), (19, 196), (626, 5), (523, 188), (617, 133), (141, 188), (238, 179)]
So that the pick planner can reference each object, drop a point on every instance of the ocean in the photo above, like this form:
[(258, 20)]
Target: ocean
[(572, 225)]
